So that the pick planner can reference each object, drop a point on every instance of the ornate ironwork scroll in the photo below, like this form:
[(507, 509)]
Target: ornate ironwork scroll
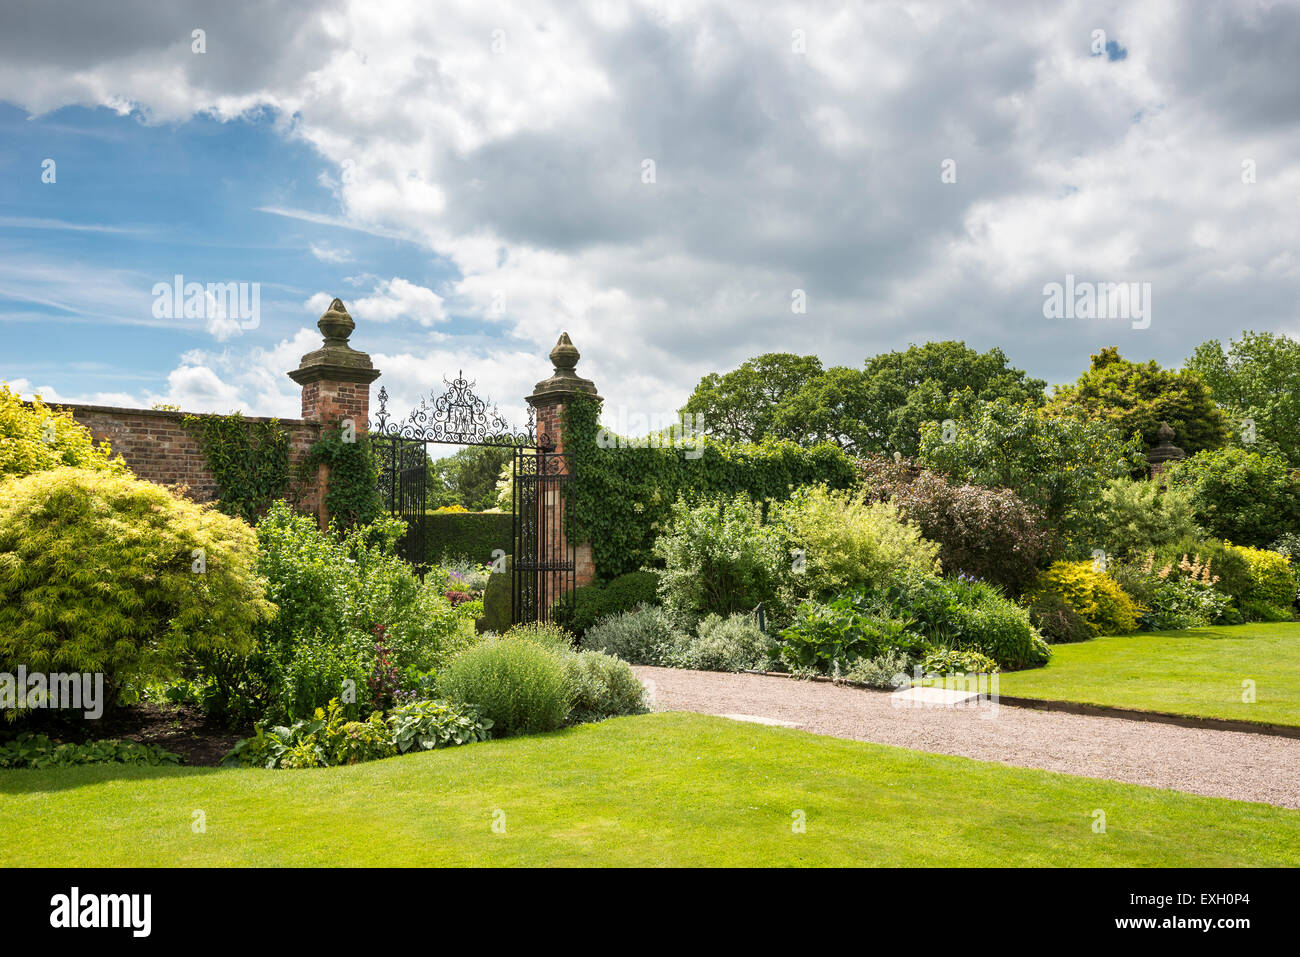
[(456, 417)]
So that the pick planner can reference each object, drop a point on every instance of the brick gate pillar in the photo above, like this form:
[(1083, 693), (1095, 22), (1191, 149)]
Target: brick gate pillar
[(335, 382), (550, 398)]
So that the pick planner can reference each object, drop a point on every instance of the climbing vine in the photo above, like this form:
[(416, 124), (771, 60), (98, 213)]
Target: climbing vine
[(621, 494), (353, 494), (249, 461)]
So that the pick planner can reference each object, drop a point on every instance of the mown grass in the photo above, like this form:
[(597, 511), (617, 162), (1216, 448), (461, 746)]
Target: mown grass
[(1199, 671), (660, 789)]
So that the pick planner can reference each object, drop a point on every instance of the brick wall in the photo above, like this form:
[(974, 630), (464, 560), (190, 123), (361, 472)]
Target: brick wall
[(158, 448)]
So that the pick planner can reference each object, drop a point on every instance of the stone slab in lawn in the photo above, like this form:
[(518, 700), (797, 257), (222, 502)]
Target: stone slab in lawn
[(759, 719), (931, 697)]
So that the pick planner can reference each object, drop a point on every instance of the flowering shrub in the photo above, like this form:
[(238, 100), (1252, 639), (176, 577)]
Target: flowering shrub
[(1178, 595)]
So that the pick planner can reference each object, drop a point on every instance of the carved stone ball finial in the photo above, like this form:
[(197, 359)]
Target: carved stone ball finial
[(1165, 434), (565, 355), (335, 360)]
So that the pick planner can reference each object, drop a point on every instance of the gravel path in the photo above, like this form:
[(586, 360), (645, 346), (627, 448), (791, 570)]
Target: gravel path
[(1229, 764)]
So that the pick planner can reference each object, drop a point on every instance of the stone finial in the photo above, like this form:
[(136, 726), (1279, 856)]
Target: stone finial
[(564, 380), (1164, 451), (335, 360)]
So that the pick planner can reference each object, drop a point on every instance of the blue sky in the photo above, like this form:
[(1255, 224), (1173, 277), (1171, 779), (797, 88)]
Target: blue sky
[(471, 180)]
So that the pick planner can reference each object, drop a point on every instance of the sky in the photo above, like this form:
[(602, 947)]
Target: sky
[(669, 183)]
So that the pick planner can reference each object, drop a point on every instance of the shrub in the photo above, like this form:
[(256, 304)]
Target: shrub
[(952, 661), (426, 725), (1137, 516), (644, 636), (990, 533), (1241, 496), (834, 634), (1272, 584), (1171, 597), (29, 750), (37, 438), (472, 536), (586, 605), (1057, 620), (718, 557), (519, 685), (1094, 595), (847, 541), (101, 572), (889, 669), (1228, 569), (334, 591), (725, 644), (543, 633), (601, 686), (964, 613)]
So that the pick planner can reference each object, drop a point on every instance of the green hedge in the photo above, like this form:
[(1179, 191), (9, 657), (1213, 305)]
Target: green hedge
[(620, 495), (470, 535)]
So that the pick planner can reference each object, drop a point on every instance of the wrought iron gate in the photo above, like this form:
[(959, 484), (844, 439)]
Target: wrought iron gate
[(543, 563), (544, 566)]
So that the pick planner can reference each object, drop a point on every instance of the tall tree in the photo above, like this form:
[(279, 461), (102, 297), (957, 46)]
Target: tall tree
[(741, 405), (1256, 380), (1135, 397), (467, 478)]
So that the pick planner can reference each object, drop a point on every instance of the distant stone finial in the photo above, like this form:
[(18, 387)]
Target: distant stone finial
[(1164, 451)]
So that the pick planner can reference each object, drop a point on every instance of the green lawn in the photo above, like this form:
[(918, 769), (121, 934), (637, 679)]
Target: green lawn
[(659, 789), (1196, 672)]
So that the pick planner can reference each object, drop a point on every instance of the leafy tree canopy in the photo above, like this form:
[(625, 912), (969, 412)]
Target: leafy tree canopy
[(878, 408), (468, 478), (1256, 380), (1135, 397)]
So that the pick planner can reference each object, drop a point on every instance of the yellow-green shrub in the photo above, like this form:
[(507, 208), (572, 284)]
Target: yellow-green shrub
[(101, 572), (847, 541), (36, 438), (1272, 584), (1095, 596)]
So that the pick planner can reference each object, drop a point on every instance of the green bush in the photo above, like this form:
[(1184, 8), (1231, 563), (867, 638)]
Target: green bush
[(952, 661), (1272, 583), (719, 557), (37, 438), (1093, 594), (1226, 567), (889, 669), (601, 686), (101, 572), (966, 614), (544, 633), (473, 536), (834, 634), (586, 605), (725, 644), (521, 686), (334, 591), (1137, 516), (29, 750), (426, 725), (1057, 620), (1241, 496), (645, 635), (845, 541)]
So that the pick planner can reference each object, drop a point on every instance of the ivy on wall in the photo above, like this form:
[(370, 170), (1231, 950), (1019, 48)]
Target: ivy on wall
[(249, 461), (353, 494), (620, 495)]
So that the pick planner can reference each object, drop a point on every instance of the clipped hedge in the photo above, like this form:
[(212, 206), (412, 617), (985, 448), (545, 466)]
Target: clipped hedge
[(623, 494), (588, 604), (470, 535)]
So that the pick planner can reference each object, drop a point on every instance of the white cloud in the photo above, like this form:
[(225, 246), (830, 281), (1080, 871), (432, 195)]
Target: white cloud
[(391, 300), (329, 254)]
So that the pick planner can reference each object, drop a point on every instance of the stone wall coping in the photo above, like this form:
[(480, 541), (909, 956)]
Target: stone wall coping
[(170, 413)]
